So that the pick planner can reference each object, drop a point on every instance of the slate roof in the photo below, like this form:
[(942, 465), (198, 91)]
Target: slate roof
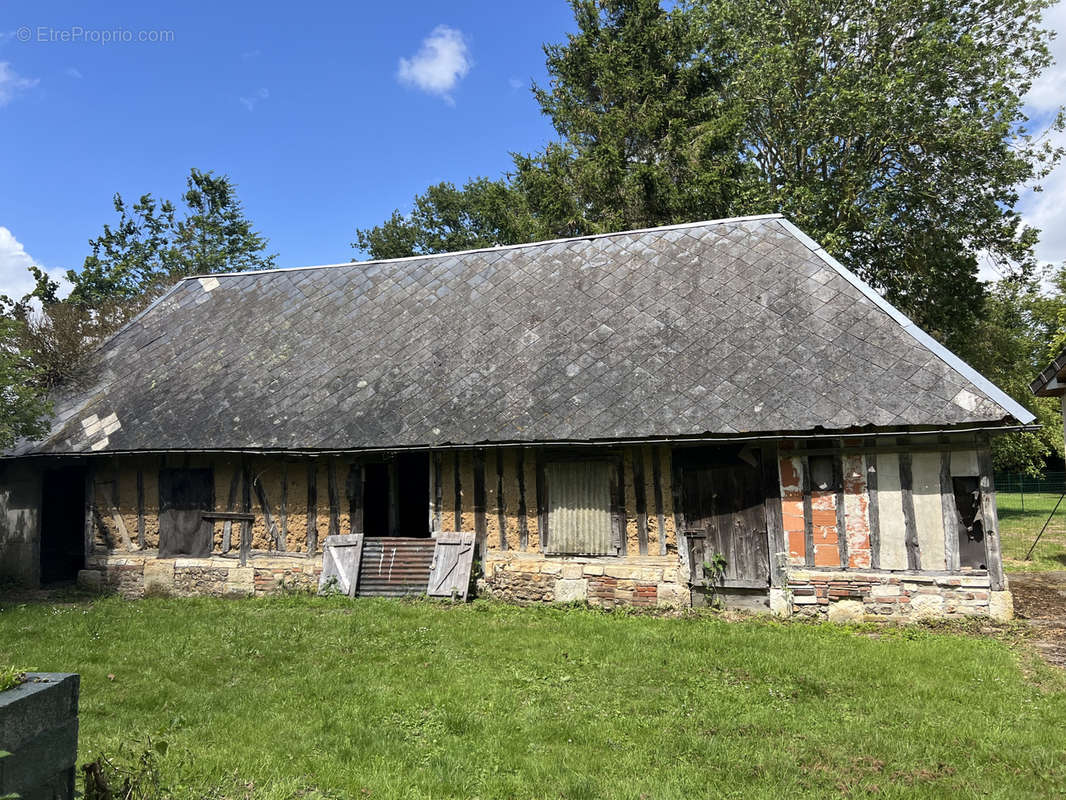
[(726, 327), (1052, 381)]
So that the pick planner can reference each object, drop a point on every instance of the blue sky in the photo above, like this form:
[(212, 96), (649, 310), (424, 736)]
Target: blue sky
[(327, 118), (328, 115)]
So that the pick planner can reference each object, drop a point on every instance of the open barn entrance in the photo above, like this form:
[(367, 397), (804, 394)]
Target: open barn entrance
[(62, 524), (396, 496)]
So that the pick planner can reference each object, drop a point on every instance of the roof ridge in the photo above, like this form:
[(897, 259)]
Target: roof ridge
[(493, 249), (997, 395)]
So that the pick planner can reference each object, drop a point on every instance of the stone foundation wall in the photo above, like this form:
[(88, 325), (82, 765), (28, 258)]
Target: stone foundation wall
[(137, 574), (637, 581), (843, 597)]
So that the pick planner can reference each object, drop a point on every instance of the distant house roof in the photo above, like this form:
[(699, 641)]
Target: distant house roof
[(1052, 381), (730, 327)]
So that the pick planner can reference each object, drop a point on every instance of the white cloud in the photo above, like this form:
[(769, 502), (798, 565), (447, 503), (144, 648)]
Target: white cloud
[(15, 278), (514, 83), (73, 72), (1045, 210), (251, 102), (11, 83), (439, 65)]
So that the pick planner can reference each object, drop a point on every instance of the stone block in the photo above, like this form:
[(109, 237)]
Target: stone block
[(779, 604), (593, 569), (551, 568), (159, 576), (1001, 606), (571, 591), (926, 606), (846, 611), (91, 580), (673, 595), (620, 571), (878, 592), (572, 571), (239, 581)]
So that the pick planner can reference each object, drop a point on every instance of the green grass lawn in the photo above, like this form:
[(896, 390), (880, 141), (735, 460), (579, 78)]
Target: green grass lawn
[(301, 697), (1020, 520)]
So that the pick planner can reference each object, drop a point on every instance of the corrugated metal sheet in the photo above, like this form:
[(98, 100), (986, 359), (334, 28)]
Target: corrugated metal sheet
[(579, 503), (392, 567)]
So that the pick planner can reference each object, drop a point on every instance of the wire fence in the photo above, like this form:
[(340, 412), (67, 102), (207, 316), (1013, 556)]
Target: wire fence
[(1029, 508)]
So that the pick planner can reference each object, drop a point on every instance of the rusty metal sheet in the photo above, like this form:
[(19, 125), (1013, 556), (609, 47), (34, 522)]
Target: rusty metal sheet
[(395, 566)]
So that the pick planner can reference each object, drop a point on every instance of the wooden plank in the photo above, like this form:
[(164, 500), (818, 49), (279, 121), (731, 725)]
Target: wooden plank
[(501, 516), (842, 525), (772, 515), (618, 504), (874, 514), (233, 516), (994, 561), (334, 499), (456, 464), (808, 525), (640, 496), (906, 485), (453, 557), (312, 507), (523, 510), (123, 533), (140, 509), (283, 507), (657, 483), (353, 488), (341, 556), (480, 523), (272, 529), (679, 514), (542, 501), (438, 491), (950, 514), (246, 506), (231, 505)]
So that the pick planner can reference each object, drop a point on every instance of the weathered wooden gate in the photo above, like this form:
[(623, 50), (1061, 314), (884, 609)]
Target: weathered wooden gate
[(391, 566), (723, 514), (449, 575)]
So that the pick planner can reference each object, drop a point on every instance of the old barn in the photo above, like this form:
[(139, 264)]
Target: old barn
[(603, 416)]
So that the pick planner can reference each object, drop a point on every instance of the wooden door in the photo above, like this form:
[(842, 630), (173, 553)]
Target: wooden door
[(722, 496)]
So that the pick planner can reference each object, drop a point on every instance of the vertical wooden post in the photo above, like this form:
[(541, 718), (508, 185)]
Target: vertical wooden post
[(246, 507), (640, 496), (394, 498), (989, 518), (231, 505), (842, 522), (906, 484), (480, 523), (438, 491), (808, 523), (354, 489), (501, 517), (140, 509), (874, 510), (90, 502), (334, 498), (542, 501), (775, 529), (657, 481), (523, 509), (949, 513), (312, 507), (283, 509), (458, 491)]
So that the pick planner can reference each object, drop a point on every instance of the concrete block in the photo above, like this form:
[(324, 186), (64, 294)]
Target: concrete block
[(779, 603), (569, 591), (39, 728), (1001, 606), (846, 611)]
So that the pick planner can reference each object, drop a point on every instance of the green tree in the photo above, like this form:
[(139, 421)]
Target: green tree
[(23, 407)]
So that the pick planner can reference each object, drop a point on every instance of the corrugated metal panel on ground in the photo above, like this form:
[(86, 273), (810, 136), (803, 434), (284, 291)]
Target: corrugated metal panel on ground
[(579, 503), (393, 566)]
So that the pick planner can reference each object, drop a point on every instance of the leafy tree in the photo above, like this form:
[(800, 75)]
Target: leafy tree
[(23, 408)]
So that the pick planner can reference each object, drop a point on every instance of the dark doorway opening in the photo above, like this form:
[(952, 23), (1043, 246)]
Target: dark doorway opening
[(412, 496), (376, 499), (62, 524), (396, 496)]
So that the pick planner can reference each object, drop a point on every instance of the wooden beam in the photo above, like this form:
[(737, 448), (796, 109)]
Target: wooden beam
[(231, 505), (354, 490), (456, 464), (542, 501), (438, 491), (264, 504), (906, 485), (480, 523), (246, 507), (640, 496), (90, 502), (874, 512), (618, 503), (501, 516), (283, 508), (523, 509), (334, 499), (949, 513), (312, 507), (808, 516), (140, 509), (842, 523), (993, 558), (775, 527), (657, 484)]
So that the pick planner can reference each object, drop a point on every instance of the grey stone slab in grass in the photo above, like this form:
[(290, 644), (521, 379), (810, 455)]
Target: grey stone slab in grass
[(39, 729)]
